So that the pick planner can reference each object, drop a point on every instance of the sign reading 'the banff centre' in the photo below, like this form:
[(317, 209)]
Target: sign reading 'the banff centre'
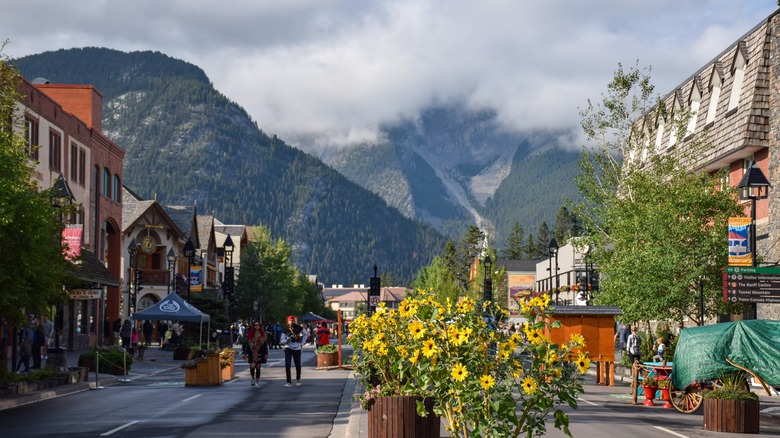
[(743, 284)]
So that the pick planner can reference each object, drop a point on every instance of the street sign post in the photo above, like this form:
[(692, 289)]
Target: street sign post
[(744, 284)]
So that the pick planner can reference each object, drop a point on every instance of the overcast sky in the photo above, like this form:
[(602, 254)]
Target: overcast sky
[(335, 69)]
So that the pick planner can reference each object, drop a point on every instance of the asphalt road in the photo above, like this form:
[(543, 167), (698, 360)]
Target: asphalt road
[(160, 405)]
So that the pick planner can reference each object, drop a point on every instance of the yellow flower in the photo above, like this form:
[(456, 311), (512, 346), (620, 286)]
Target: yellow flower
[(487, 381), (459, 372), (552, 357), (529, 385), (465, 305), (583, 363), (429, 348), (536, 337), (401, 350), (407, 308), (417, 329), (415, 357), (577, 339)]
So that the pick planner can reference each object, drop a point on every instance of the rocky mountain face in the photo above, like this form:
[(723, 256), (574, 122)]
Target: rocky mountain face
[(186, 143), (452, 167)]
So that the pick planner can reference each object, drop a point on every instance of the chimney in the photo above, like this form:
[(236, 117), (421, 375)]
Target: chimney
[(83, 101)]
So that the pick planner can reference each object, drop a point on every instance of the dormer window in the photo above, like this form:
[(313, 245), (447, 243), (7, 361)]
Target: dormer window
[(694, 104), (715, 85), (738, 73)]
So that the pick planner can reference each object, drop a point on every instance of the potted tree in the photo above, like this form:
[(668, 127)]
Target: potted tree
[(731, 406)]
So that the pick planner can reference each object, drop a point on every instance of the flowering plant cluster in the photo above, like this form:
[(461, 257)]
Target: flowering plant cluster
[(663, 382), (483, 382), (226, 357)]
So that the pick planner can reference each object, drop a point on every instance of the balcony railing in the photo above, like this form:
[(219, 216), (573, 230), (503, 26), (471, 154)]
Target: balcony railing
[(155, 277)]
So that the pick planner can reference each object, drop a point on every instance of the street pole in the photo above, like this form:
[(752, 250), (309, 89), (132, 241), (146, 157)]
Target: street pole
[(701, 302)]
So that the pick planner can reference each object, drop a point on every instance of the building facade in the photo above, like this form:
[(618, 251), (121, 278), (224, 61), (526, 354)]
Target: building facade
[(734, 101)]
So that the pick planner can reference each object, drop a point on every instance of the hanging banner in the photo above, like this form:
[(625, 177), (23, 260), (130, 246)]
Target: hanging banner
[(740, 252), (72, 238), (196, 278)]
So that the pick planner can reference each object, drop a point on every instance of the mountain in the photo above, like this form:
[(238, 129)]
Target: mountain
[(185, 142), (453, 167)]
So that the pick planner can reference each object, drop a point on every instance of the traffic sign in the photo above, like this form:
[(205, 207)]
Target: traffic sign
[(744, 284), (373, 300)]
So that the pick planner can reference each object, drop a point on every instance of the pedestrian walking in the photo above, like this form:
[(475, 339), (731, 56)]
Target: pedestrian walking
[(148, 329), (25, 349), (126, 332), (37, 343), (255, 351), (162, 329), (176, 331), (634, 347), (323, 335), (277, 336), (117, 326), (48, 335), (293, 338)]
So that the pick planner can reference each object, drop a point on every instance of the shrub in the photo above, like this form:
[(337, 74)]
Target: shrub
[(733, 386), (330, 348), (111, 361)]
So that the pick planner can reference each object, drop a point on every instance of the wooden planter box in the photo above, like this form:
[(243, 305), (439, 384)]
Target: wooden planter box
[(735, 416), (396, 417), (206, 373), (182, 354), (327, 360)]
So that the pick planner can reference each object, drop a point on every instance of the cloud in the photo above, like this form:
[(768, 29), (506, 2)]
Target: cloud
[(332, 71)]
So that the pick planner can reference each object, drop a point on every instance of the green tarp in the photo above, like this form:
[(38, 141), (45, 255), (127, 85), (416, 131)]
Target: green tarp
[(702, 351)]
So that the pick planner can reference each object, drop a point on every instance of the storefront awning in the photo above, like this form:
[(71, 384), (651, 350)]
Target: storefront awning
[(90, 269)]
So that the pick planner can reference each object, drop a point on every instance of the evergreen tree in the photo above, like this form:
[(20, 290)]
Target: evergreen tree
[(514, 243), (542, 243)]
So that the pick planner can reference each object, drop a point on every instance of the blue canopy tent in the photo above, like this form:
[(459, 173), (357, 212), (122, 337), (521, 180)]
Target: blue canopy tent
[(175, 308)]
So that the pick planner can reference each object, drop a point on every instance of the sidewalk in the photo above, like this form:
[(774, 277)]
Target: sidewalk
[(155, 361)]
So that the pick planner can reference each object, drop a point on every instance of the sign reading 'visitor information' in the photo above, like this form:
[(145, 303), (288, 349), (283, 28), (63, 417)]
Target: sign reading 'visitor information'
[(743, 284)]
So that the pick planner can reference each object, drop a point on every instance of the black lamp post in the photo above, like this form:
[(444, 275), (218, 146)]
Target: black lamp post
[(229, 277), (488, 281), (255, 262), (132, 249), (552, 251), (61, 198), (189, 252), (171, 268), (753, 186)]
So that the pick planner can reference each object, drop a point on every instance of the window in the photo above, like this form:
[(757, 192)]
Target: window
[(106, 183), (116, 187), (55, 151), (673, 130), (74, 162), (82, 167), (714, 97), (31, 136), (738, 73), (694, 105), (659, 134)]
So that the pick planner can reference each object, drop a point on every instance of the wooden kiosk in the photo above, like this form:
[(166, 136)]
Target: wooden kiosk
[(597, 325)]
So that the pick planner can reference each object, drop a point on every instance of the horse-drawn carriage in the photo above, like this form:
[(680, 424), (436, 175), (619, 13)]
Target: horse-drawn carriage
[(705, 354)]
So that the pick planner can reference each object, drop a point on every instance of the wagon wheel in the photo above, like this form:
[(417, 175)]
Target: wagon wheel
[(687, 400)]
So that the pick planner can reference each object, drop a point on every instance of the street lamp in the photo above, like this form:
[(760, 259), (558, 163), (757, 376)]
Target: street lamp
[(488, 281), (229, 277), (552, 251), (61, 198), (132, 249), (255, 262), (753, 186), (171, 268), (189, 252)]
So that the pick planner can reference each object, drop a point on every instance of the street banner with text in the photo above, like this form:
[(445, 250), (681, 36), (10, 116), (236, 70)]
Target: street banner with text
[(740, 251)]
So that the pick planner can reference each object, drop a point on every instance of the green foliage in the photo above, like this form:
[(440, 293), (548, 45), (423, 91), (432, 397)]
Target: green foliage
[(513, 247), (34, 278), (329, 348), (658, 228), (41, 374), (732, 386), (111, 360)]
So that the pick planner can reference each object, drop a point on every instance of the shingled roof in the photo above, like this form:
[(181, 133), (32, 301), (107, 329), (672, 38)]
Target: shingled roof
[(92, 270)]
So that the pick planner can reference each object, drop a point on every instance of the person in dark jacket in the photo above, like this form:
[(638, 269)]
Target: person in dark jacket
[(126, 332), (148, 329)]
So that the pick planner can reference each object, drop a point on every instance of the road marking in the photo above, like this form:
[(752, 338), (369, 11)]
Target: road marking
[(120, 428), (670, 432), (586, 401), (193, 397)]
